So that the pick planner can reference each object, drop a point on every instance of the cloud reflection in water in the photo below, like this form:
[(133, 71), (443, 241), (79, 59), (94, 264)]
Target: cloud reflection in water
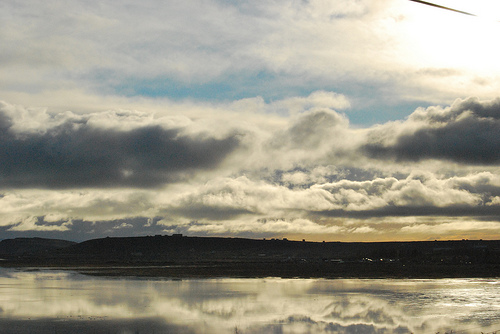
[(49, 300)]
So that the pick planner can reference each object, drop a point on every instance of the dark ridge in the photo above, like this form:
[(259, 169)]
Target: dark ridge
[(180, 256), (177, 247), (31, 246)]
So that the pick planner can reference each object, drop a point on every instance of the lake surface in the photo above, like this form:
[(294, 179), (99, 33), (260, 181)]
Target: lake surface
[(45, 301)]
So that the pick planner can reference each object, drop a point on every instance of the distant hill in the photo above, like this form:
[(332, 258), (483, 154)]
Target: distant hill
[(181, 256), (182, 249), (31, 246)]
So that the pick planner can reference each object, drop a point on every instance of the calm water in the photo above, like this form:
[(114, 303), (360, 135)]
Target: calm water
[(67, 302)]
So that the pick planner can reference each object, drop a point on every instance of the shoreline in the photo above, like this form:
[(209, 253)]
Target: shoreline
[(278, 270), (212, 257)]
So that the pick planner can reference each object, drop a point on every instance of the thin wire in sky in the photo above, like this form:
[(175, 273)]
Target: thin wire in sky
[(443, 7)]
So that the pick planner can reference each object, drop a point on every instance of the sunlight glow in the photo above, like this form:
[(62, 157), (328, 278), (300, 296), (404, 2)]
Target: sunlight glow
[(446, 39)]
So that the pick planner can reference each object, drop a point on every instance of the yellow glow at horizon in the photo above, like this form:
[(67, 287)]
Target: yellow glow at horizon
[(438, 38)]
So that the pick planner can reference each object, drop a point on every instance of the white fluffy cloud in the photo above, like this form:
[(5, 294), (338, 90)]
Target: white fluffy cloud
[(306, 172)]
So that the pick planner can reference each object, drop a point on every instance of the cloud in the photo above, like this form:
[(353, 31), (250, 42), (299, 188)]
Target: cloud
[(419, 194), (287, 168), (318, 136), (76, 152), (38, 224), (452, 227), (219, 50), (311, 129), (318, 100), (123, 225), (465, 132)]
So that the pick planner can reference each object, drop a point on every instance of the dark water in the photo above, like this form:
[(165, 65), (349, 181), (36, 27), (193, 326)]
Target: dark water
[(67, 302)]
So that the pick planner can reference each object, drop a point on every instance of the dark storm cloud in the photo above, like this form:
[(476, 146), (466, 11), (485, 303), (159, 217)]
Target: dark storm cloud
[(489, 212), (467, 132), (77, 154), (464, 142), (309, 130)]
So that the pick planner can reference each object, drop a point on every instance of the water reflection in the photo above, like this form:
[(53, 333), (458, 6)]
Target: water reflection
[(67, 302)]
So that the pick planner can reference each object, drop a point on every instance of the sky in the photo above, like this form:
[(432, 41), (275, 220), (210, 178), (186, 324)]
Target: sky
[(319, 120)]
